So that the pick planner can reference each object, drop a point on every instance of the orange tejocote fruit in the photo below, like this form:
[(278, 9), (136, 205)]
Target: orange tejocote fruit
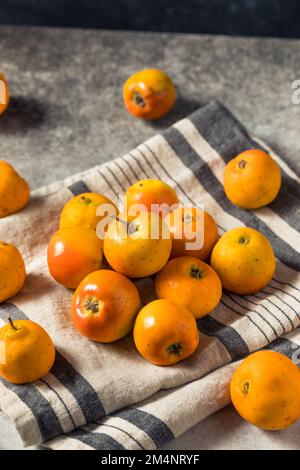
[(165, 333), (189, 282), (104, 306), (26, 352), (138, 248), (252, 179), (81, 210), (188, 226), (265, 390), (72, 254), (14, 190), (12, 271), (149, 94), (244, 260), (148, 193), (4, 93)]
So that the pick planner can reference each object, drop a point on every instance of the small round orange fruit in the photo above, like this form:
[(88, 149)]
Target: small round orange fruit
[(137, 249), (14, 190), (104, 306), (150, 194), (190, 226), (149, 94), (27, 352), (72, 254), (189, 282), (252, 179), (4, 93), (12, 271), (265, 390), (244, 260), (81, 210), (165, 333)]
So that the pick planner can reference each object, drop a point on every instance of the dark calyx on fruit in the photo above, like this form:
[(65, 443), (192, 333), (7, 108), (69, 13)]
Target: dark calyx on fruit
[(175, 349), (243, 240), (85, 201), (139, 100), (242, 164), (196, 273), (92, 304)]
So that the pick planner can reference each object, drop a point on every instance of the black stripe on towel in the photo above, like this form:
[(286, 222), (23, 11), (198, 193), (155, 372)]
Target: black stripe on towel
[(41, 409), (227, 335), (159, 432), (206, 177), (284, 346), (79, 188), (81, 389), (228, 137), (98, 441)]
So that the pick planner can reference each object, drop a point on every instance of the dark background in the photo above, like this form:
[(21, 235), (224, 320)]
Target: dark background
[(279, 18)]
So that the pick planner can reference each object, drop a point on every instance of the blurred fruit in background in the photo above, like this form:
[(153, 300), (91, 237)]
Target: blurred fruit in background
[(4, 93), (12, 271), (14, 190), (149, 94)]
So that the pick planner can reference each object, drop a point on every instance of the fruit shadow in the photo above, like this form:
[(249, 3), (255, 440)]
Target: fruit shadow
[(183, 108), (21, 115)]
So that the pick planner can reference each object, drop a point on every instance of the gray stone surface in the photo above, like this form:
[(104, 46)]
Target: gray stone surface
[(66, 115)]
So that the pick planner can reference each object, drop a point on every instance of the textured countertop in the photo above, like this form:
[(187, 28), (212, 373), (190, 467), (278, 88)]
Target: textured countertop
[(66, 115)]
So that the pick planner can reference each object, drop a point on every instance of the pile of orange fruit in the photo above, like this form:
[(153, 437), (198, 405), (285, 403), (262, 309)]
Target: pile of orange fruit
[(106, 304)]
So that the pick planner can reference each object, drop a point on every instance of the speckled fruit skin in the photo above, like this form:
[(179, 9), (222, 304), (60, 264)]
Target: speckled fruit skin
[(149, 192), (137, 255), (3, 106), (80, 211), (252, 179), (29, 352), (104, 306), (190, 218), (244, 260), (72, 254), (12, 271), (14, 190), (149, 94), (265, 390), (165, 333), (189, 282)]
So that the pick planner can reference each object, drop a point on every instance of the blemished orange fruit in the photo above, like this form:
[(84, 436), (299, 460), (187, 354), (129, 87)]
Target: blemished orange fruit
[(265, 390), (104, 306), (149, 94), (4, 93), (72, 254), (189, 282), (149, 193), (188, 225), (252, 179), (81, 210), (12, 271), (27, 352), (244, 260), (132, 249), (165, 333), (14, 190)]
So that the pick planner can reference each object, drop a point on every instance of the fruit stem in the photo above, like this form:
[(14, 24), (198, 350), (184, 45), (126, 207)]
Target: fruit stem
[(138, 100), (13, 326), (175, 349), (242, 164)]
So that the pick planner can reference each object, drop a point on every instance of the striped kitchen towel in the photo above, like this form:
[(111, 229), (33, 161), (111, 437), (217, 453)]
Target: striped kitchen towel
[(106, 396)]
